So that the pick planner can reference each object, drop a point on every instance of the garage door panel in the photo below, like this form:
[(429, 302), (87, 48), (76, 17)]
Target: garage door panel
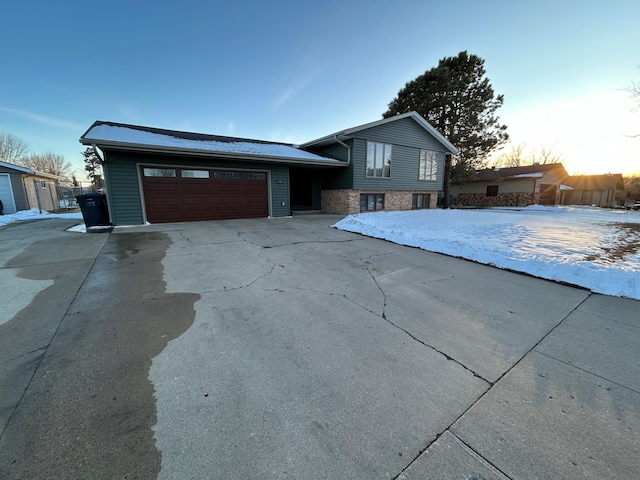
[(214, 195)]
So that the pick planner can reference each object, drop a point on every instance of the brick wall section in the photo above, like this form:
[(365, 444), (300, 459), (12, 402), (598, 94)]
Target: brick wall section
[(500, 200), (347, 202)]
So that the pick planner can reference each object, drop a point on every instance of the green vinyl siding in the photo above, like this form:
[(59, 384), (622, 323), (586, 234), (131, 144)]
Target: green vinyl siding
[(407, 138), (124, 188), (279, 191), (337, 178)]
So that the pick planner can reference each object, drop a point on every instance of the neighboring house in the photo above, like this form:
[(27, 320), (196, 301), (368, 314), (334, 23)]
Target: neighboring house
[(160, 175), (22, 189), (513, 186), (598, 190)]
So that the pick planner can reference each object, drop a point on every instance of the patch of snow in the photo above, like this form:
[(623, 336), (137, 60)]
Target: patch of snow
[(529, 175), (35, 214), (590, 247), (140, 137)]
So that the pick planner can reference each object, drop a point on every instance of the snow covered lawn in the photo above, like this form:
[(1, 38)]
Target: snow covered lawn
[(594, 248), (34, 214)]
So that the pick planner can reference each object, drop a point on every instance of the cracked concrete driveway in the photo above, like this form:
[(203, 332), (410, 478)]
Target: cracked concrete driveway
[(283, 348)]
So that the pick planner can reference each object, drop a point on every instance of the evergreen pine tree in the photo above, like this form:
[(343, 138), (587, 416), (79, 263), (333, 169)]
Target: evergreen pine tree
[(93, 166), (458, 100)]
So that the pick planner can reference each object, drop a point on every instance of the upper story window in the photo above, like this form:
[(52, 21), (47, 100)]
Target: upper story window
[(378, 160), (428, 165)]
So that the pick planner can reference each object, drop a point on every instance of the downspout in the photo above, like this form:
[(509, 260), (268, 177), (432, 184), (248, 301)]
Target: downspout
[(104, 179), (335, 137)]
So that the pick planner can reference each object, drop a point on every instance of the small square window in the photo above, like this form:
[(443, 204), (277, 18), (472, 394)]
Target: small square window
[(43, 184), (492, 190), (371, 202)]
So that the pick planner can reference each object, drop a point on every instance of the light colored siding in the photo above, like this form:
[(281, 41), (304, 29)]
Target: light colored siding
[(44, 198), (504, 186), (555, 177), (125, 200)]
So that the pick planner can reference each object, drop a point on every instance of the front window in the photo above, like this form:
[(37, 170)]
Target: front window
[(378, 160), (428, 165), (371, 202), (492, 190), (43, 184)]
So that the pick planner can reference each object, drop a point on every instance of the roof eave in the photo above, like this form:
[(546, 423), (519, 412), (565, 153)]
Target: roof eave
[(123, 146), (346, 134)]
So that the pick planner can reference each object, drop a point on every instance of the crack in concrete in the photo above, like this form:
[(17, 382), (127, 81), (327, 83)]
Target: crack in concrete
[(44, 348), (384, 316), (488, 390)]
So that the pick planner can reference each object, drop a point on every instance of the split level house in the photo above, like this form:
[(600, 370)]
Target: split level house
[(157, 175)]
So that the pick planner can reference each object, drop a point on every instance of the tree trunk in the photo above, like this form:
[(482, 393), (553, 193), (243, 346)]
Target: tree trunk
[(447, 180)]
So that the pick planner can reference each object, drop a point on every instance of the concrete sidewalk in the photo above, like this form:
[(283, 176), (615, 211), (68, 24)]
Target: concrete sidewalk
[(283, 348)]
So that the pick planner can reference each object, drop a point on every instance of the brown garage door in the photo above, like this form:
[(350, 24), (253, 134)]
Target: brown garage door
[(181, 195)]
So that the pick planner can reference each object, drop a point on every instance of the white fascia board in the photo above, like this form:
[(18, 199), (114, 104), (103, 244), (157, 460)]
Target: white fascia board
[(417, 117)]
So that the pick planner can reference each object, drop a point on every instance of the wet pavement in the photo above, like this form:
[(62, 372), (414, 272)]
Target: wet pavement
[(282, 348)]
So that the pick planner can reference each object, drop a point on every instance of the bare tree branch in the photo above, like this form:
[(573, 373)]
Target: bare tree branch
[(49, 162), (12, 148)]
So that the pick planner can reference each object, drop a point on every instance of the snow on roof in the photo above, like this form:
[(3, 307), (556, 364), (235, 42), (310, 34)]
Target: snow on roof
[(529, 175), (124, 134)]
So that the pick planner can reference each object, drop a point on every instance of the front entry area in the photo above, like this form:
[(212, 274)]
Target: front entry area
[(173, 194)]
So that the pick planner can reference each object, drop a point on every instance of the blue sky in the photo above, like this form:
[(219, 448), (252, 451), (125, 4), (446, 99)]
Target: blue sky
[(295, 71)]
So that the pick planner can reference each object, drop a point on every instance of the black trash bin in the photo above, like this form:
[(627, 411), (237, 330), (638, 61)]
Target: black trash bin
[(94, 209)]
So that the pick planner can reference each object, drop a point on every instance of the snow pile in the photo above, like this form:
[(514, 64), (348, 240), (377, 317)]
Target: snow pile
[(592, 248), (34, 214)]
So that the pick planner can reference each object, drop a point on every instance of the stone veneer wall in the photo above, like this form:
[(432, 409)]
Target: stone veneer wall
[(347, 202), (501, 200)]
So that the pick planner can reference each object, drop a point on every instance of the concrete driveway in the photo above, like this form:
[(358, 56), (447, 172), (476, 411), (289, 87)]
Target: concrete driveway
[(284, 348)]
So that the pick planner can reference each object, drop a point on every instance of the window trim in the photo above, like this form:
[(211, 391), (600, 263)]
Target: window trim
[(414, 201), (385, 146), (375, 202), (433, 176)]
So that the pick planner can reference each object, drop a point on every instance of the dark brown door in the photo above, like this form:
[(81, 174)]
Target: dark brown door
[(547, 194), (175, 194)]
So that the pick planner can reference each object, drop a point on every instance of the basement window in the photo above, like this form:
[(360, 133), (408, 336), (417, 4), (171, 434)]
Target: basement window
[(420, 201), (371, 202)]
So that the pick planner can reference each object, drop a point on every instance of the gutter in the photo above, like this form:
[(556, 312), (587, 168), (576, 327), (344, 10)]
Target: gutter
[(131, 147), (335, 137)]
